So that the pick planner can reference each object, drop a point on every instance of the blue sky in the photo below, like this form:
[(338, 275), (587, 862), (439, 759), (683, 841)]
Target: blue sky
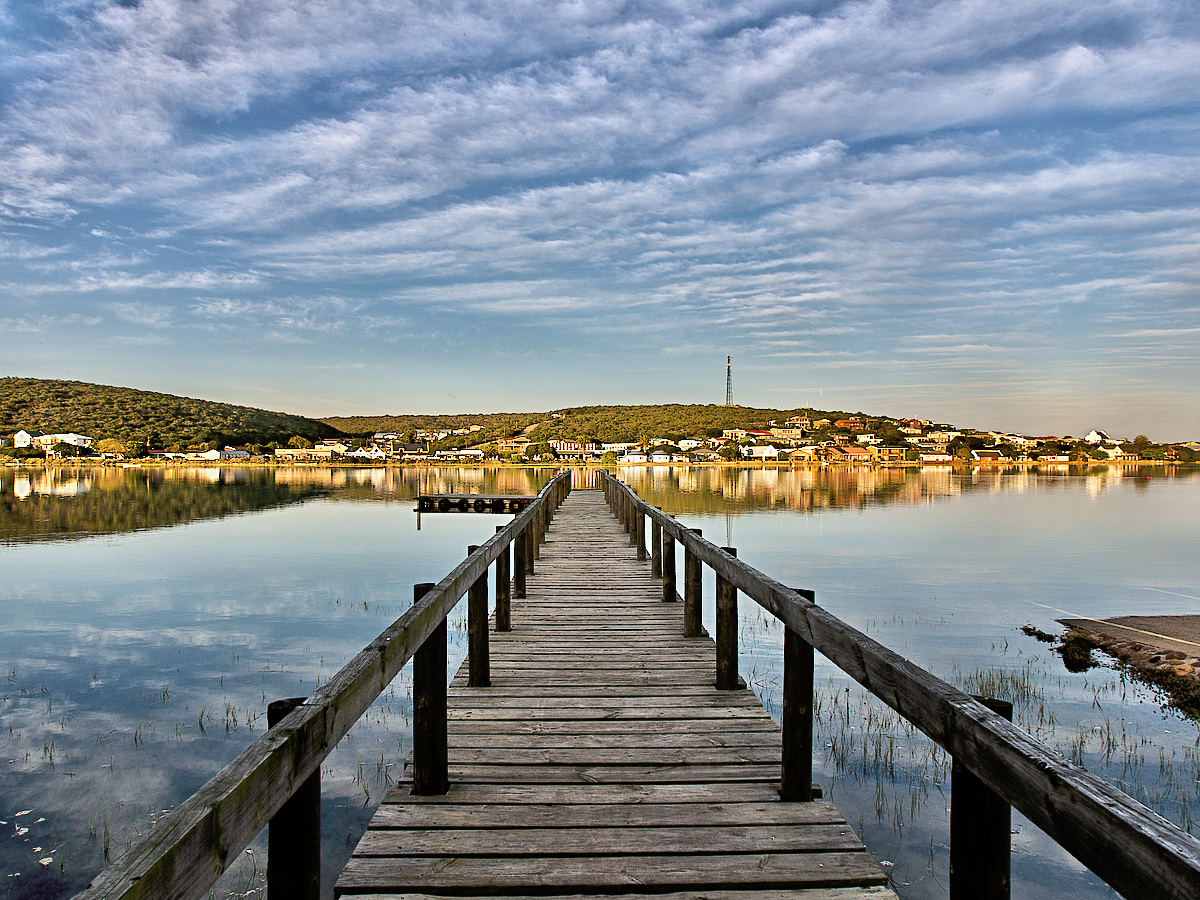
[(978, 211)]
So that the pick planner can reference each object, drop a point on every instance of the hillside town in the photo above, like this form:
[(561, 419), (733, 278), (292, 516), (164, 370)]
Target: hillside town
[(800, 439)]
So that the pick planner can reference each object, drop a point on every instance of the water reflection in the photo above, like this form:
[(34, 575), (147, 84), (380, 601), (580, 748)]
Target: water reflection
[(137, 665), (63, 504), (708, 490)]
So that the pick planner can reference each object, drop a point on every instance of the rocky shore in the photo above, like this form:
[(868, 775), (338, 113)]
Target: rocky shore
[(1147, 655)]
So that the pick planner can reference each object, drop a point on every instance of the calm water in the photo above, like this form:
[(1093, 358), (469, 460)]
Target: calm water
[(151, 615)]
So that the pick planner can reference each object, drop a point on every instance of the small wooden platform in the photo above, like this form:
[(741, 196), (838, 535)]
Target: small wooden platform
[(492, 503), (602, 760)]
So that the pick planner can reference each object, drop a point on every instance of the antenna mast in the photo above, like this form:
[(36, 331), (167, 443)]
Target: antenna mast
[(728, 381)]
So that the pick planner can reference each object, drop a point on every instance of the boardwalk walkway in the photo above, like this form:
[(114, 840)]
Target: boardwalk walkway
[(603, 761)]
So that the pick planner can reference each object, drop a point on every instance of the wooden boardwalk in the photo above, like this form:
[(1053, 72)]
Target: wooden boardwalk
[(602, 760)]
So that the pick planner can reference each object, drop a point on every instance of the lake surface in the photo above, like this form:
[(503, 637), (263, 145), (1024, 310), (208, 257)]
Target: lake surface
[(151, 614)]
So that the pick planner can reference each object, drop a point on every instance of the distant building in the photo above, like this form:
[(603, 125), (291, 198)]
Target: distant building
[(40, 441)]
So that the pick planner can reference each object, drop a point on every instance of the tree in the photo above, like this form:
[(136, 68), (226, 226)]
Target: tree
[(609, 458), (540, 451), (730, 450), (299, 442), (62, 448), (111, 446)]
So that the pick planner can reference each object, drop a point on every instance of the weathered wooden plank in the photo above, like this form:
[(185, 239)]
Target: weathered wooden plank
[(682, 739), (601, 727), (610, 712), (584, 873), (876, 892), (743, 700), (625, 756), (590, 794), (675, 839), (627, 815), (613, 774)]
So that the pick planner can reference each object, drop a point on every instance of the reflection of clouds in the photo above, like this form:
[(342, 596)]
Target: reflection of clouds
[(123, 647)]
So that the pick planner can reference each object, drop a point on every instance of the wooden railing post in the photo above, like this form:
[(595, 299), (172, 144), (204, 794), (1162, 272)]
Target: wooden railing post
[(430, 748), (520, 558), (656, 548), (980, 831), (530, 533), (478, 662), (639, 532), (668, 563), (538, 531), (294, 833), (727, 625), (795, 776), (693, 612), (503, 587)]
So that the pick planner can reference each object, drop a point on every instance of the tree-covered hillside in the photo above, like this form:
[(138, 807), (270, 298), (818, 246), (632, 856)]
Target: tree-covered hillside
[(125, 414), (493, 426), (638, 423), (603, 423)]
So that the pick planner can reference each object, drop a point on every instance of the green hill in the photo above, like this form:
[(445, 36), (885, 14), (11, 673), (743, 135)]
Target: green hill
[(492, 426), (603, 423), (125, 414)]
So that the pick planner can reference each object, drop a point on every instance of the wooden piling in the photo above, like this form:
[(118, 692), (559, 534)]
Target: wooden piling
[(980, 830), (430, 746), (503, 588), (727, 626), (294, 835), (795, 773), (478, 668), (693, 612), (668, 562)]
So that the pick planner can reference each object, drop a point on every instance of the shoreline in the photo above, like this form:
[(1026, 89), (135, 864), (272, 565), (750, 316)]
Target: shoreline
[(1052, 468)]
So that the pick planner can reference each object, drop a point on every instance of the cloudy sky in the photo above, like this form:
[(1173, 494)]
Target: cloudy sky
[(977, 211)]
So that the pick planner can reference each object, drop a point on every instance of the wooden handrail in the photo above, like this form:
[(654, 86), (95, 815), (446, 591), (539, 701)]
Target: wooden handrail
[(1132, 848), (195, 843)]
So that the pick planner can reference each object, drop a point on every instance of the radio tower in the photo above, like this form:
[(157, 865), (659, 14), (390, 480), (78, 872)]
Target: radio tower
[(728, 381)]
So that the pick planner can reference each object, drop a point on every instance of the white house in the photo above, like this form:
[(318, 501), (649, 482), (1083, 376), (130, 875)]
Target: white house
[(46, 441)]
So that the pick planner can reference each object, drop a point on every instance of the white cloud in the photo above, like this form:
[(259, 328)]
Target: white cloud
[(854, 174)]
